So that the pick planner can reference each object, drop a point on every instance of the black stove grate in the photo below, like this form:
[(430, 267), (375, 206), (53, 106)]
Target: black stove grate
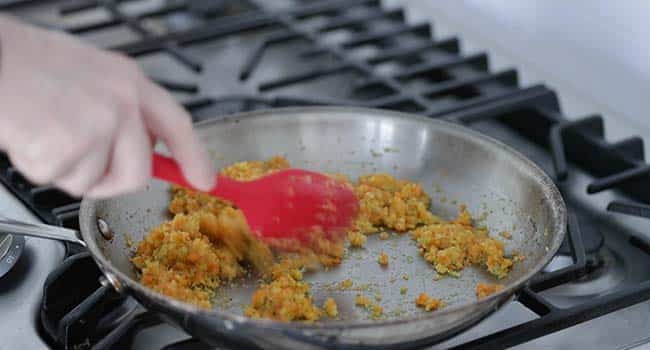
[(400, 67)]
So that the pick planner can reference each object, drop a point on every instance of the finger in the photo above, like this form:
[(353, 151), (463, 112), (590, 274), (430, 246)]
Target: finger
[(171, 123), (130, 165), (87, 172), (43, 159), (61, 140)]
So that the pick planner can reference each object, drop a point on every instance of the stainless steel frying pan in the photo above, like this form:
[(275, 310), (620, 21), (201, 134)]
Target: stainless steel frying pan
[(455, 165)]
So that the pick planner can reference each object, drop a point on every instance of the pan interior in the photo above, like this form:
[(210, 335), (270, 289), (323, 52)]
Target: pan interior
[(453, 165)]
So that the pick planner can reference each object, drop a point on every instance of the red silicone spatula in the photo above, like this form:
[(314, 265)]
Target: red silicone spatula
[(291, 203)]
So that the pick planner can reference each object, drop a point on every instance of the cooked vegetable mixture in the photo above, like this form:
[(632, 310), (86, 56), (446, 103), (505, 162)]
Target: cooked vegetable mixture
[(449, 247), (207, 243)]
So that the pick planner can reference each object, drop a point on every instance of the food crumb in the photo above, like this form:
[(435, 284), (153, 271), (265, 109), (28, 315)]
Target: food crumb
[(377, 311), (427, 303), (330, 308), (363, 287), (128, 239), (378, 296), (345, 284), (485, 289), (505, 234), (517, 256), (383, 236), (405, 277), (403, 290), (361, 300), (383, 259), (357, 239)]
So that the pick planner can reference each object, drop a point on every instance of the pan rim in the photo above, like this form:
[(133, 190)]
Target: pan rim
[(557, 205)]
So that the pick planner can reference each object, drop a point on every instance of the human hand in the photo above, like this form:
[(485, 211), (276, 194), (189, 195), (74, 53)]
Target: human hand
[(85, 119)]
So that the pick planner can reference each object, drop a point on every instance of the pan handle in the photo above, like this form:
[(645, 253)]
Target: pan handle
[(21, 228)]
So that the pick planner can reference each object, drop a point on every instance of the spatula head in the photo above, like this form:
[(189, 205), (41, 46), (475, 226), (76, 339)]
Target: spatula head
[(293, 203)]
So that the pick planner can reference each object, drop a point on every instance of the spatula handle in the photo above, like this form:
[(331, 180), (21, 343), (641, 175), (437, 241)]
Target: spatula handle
[(166, 169)]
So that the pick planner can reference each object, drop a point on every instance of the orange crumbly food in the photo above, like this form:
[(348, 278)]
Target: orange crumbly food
[(252, 170), (484, 289), (363, 301), (452, 246), (427, 303), (386, 202), (357, 239), (383, 259), (177, 260), (345, 284), (284, 299), (330, 308), (207, 243)]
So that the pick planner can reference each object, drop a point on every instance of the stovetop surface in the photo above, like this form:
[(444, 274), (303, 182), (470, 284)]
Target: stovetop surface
[(620, 264)]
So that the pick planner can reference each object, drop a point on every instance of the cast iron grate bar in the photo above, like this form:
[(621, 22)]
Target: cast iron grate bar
[(126, 330), (635, 209), (544, 281), (388, 101), (211, 31), (618, 179), (258, 52), (477, 101), (298, 78), (229, 25), (560, 319), (11, 4), (82, 5), (534, 112), (450, 45), (507, 76), (162, 11), (361, 67), (592, 124), (119, 17), (552, 318), (170, 47), (177, 86), (348, 21), (479, 60), (373, 37)]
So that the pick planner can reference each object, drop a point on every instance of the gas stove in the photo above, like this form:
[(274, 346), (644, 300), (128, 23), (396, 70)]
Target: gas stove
[(221, 57)]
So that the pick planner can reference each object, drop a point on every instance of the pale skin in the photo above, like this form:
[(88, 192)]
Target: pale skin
[(84, 119)]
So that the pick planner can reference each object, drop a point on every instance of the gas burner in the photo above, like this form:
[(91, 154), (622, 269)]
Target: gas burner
[(592, 238), (11, 247), (613, 267), (607, 272), (77, 310)]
